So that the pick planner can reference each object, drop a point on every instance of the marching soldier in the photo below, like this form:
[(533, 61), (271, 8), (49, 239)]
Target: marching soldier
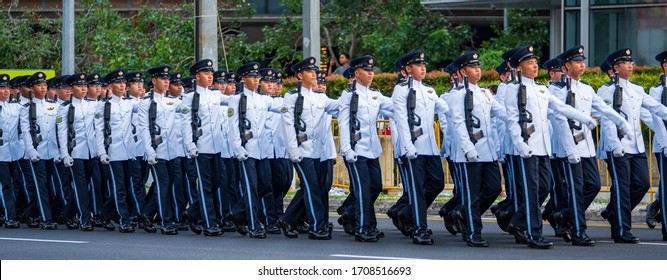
[(227, 162), (116, 144), (181, 195), (360, 145), (10, 150), (582, 177), (280, 163), (157, 116), (656, 210), (202, 137), (78, 145), (38, 125), (303, 111), (527, 105)]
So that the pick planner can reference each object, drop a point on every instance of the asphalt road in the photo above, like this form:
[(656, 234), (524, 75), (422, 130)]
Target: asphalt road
[(63, 244)]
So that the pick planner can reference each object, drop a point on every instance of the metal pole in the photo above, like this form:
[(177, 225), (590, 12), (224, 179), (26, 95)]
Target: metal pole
[(206, 30), (506, 24), (68, 37), (585, 28), (311, 29)]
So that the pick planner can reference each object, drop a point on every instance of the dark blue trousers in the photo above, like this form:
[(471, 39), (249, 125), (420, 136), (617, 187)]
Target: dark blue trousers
[(136, 186), (38, 189), (80, 173), (310, 198), (208, 168), (630, 182), (7, 192), (455, 201), (119, 175), (531, 172), (265, 192), (582, 185), (425, 180), (481, 185), (250, 207), (281, 182), (160, 203), (662, 166), (366, 184), (63, 182)]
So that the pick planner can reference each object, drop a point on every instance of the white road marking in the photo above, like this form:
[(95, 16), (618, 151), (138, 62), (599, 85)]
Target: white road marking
[(640, 243), (43, 240), (370, 257)]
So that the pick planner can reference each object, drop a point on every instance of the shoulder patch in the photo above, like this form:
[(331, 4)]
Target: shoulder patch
[(230, 112), (608, 101), (59, 120), (98, 115), (284, 110), (185, 110)]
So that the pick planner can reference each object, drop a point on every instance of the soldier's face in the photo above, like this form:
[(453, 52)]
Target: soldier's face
[(64, 93), (79, 91), (575, 68), (250, 82), (160, 84), (4, 94), (474, 73), (322, 87), (267, 87), (230, 89), (529, 68), (94, 91), (220, 86), (52, 93), (135, 89), (364, 77), (504, 76), (24, 90), (175, 89), (308, 78), (624, 69), (277, 89), (555, 76), (418, 71), (118, 88), (39, 90), (204, 78)]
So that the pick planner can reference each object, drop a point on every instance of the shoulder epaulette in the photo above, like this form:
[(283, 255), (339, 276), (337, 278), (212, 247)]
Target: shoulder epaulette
[(635, 83), (584, 82), (65, 103), (507, 82), (374, 89), (610, 83), (146, 97), (657, 85), (539, 84), (26, 104), (559, 84), (425, 84), (404, 83), (50, 101), (190, 91), (292, 91), (214, 89)]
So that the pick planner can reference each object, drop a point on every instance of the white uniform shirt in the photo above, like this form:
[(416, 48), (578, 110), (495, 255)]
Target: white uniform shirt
[(12, 148), (210, 113), (47, 112), (84, 129), (122, 145), (257, 110), (167, 110)]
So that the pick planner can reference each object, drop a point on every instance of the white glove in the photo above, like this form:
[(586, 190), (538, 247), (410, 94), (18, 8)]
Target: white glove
[(104, 159), (35, 158), (501, 159), (193, 153), (68, 161), (351, 157), (151, 159), (242, 154), (472, 156), (412, 152), (57, 160), (591, 123), (296, 156), (524, 150), (573, 159), (628, 131), (619, 152)]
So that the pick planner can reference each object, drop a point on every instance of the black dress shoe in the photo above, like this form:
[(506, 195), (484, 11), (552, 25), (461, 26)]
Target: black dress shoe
[(228, 226), (494, 208), (169, 230), (303, 228), (287, 229), (150, 228), (604, 214), (147, 224), (365, 237), (582, 240), (400, 226), (212, 231), (626, 238), (195, 228), (126, 228), (461, 224), (378, 234), (12, 224), (87, 226), (565, 234), (422, 239), (347, 226), (272, 229), (257, 234), (182, 226), (319, 235), (519, 235), (71, 224), (664, 237), (540, 244), (407, 223), (109, 226), (32, 223), (49, 225), (60, 219), (552, 221), (477, 242), (330, 227), (448, 221), (652, 213), (500, 221)]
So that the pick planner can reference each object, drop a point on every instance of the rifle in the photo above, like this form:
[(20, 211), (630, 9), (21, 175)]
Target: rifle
[(34, 127), (107, 124), (154, 129), (355, 125), (617, 103), (196, 121), (299, 124), (71, 132), (244, 123), (456, 81), (525, 116), (571, 100), (471, 120), (413, 119)]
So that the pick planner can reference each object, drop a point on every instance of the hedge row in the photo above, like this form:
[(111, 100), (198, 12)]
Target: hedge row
[(439, 80)]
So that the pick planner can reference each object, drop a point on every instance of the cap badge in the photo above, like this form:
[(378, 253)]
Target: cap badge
[(370, 61), (97, 76), (138, 75), (581, 50), (255, 66), (530, 48), (120, 72), (421, 55), (4, 78), (39, 75), (166, 69), (178, 76), (627, 51), (475, 56), (209, 63), (83, 76)]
